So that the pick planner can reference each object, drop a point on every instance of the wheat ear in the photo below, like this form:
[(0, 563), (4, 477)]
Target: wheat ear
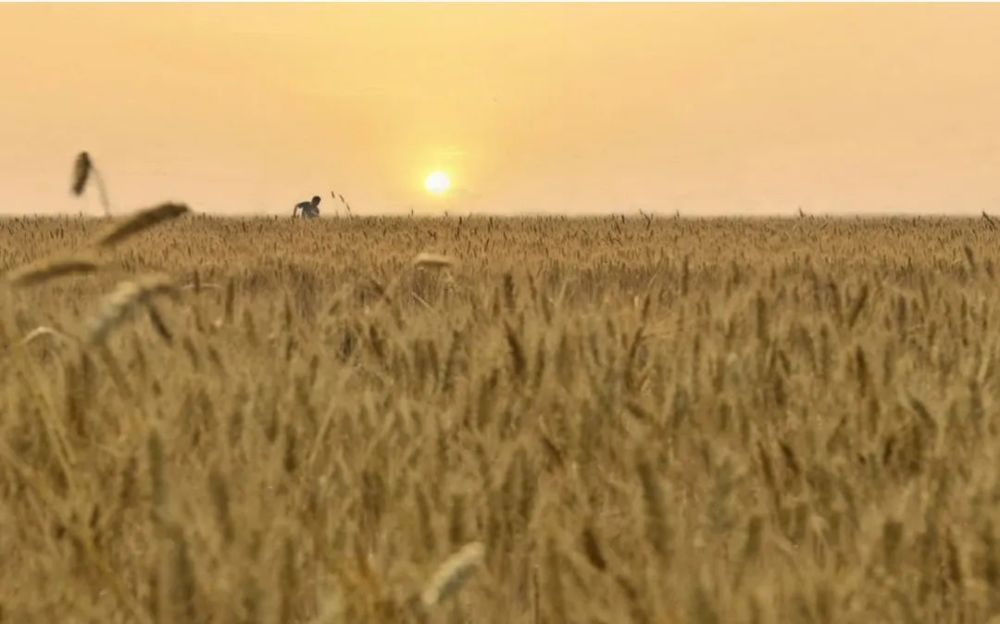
[(51, 268), (127, 296), (142, 221), (452, 574)]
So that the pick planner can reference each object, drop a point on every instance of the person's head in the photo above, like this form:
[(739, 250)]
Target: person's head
[(315, 200)]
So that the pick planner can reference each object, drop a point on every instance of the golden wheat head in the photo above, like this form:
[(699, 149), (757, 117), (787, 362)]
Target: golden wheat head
[(452, 574), (51, 268), (81, 172), (433, 261), (127, 296), (43, 331), (142, 221)]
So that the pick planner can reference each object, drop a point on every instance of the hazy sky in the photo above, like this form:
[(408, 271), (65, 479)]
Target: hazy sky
[(554, 108)]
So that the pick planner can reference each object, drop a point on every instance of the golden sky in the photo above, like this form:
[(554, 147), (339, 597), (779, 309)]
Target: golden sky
[(706, 109)]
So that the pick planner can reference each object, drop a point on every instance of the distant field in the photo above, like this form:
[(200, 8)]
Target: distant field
[(662, 421)]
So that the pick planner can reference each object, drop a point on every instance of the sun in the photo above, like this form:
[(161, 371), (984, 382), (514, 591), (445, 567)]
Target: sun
[(437, 183)]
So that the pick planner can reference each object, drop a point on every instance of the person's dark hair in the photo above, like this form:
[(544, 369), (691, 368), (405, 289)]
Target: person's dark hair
[(316, 199)]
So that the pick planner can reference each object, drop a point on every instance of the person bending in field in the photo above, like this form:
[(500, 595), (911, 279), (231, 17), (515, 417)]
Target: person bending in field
[(309, 209)]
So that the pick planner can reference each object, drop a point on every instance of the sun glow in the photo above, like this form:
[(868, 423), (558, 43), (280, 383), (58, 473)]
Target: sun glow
[(437, 183)]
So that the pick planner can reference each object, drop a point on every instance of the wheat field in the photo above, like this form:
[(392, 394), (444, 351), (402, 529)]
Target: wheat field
[(548, 420)]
